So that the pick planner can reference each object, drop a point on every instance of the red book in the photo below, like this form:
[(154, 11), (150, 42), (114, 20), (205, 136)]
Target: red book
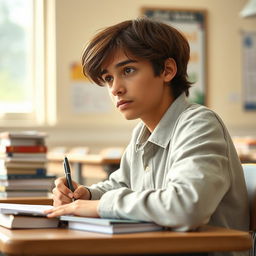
[(26, 149)]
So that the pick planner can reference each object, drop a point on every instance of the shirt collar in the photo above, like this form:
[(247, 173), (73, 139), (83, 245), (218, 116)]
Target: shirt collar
[(161, 135)]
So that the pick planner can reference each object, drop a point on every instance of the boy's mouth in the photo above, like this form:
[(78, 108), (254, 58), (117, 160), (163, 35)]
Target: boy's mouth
[(122, 103)]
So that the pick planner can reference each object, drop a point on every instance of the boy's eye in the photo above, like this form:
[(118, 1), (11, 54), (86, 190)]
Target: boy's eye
[(128, 70), (107, 79)]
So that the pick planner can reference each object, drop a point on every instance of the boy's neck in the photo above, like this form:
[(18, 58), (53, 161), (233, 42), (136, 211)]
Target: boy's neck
[(151, 123)]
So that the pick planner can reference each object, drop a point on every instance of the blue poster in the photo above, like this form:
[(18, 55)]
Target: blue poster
[(249, 69)]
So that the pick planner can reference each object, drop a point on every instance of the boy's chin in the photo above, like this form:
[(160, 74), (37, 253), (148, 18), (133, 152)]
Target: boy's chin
[(130, 117)]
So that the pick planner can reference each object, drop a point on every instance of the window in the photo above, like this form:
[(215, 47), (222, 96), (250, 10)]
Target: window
[(22, 44), (15, 63)]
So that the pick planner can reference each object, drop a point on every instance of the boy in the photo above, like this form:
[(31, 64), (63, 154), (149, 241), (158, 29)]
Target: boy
[(180, 169)]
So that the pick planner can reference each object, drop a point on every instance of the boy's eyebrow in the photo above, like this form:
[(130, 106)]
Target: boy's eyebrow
[(120, 64)]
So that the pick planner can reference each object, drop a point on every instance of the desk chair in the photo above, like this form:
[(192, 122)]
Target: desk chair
[(250, 179)]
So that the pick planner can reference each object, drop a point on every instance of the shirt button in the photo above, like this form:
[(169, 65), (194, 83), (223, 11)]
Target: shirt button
[(147, 169)]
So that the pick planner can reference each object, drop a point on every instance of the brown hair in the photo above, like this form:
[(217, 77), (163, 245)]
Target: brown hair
[(143, 38)]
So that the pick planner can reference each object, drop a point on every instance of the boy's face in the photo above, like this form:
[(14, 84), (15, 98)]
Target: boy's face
[(135, 90)]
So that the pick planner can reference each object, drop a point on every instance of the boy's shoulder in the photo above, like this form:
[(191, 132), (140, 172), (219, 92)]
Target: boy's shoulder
[(195, 111), (201, 117)]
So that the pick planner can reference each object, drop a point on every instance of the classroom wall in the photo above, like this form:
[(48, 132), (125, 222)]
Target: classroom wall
[(76, 22)]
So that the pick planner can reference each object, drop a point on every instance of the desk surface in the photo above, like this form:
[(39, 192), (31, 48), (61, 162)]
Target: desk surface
[(74, 242)]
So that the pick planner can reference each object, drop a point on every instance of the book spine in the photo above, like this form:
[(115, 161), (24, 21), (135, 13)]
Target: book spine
[(27, 156), (23, 193), (36, 189), (26, 149), (36, 173), (46, 187)]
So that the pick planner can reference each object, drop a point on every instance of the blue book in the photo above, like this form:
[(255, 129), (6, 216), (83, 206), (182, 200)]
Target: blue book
[(109, 226), (19, 174)]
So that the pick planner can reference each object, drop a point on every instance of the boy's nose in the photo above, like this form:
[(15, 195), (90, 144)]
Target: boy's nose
[(117, 87)]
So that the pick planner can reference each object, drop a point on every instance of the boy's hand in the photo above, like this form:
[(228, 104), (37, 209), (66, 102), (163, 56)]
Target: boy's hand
[(85, 208), (63, 195)]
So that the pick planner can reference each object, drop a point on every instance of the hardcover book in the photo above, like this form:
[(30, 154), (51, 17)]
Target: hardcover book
[(22, 135), (24, 138), (23, 149), (11, 174), (18, 221), (24, 156), (24, 193), (5, 165), (26, 216), (109, 226), (21, 160), (44, 183)]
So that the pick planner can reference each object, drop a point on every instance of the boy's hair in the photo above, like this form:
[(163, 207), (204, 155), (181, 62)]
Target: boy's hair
[(143, 38)]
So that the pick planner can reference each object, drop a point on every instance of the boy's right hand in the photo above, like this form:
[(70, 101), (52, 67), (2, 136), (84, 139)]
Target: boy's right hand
[(63, 195)]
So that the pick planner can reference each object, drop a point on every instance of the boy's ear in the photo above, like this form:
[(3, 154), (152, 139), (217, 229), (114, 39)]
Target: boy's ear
[(170, 69)]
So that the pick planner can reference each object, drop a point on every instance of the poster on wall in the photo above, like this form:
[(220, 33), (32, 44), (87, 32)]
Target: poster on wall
[(249, 69), (192, 23), (86, 97)]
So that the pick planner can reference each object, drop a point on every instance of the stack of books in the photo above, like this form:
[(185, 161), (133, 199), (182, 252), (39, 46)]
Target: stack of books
[(33, 216), (109, 226), (23, 164)]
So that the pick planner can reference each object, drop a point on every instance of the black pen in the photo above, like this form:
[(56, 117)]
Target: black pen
[(68, 174)]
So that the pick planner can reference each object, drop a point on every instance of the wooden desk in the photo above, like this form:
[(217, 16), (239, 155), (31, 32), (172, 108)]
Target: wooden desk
[(90, 159), (86, 159), (27, 200), (74, 242), (248, 158)]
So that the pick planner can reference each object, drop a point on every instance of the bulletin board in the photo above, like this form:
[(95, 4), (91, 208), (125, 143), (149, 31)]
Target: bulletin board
[(86, 97), (192, 24), (249, 69)]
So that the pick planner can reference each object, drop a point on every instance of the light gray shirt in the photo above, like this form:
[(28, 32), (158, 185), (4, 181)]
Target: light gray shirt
[(184, 174)]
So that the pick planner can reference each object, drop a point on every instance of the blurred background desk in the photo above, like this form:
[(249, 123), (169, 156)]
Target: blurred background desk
[(246, 148), (86, 169), (248, 158)]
